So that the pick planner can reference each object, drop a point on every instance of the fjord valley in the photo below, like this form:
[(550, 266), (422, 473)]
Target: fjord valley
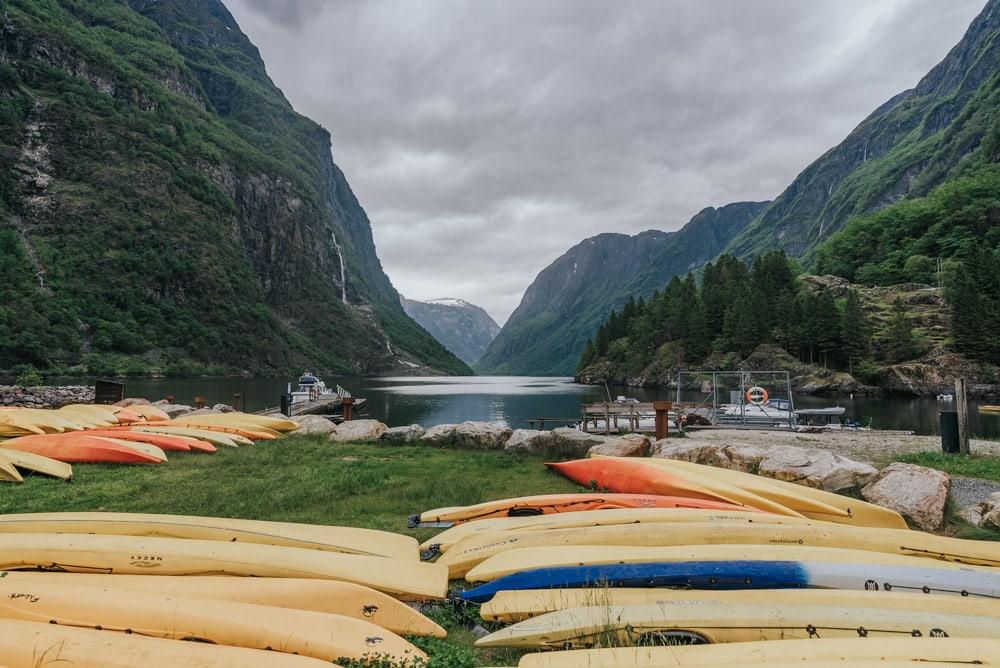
[(165, 210), (894, 230)]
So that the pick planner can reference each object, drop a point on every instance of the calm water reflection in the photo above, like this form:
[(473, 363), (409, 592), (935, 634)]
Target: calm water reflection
[(516, 399)]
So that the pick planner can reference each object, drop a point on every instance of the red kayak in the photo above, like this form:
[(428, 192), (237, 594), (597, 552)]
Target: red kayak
[(76, 448), (162, 441)]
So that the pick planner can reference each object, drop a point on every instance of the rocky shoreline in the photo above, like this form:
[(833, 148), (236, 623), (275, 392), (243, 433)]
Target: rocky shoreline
[(45, 396)]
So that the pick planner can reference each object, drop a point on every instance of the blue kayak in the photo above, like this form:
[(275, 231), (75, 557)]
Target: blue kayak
[(922, 577), (682, 574)]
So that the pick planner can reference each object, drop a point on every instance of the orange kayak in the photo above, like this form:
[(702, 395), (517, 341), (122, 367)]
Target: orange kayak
[(76, 448), (549, 504), (252, 435), (162, 441)]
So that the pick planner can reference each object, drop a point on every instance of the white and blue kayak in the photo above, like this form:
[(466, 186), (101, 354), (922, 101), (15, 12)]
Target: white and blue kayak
[(734, 575)]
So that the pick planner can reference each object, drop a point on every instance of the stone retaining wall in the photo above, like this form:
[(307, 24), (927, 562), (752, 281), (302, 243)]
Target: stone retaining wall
[(45, 396)]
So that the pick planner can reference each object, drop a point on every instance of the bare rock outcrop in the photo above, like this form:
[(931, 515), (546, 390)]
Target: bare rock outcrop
[(916, 492)]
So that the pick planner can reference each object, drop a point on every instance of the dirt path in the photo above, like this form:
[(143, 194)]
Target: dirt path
[(875, 447)]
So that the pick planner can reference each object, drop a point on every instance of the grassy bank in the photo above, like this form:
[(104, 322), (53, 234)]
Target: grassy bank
[(974, 466), (307, 479)]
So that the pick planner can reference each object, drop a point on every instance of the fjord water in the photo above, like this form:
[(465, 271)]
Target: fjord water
[(516, 399)]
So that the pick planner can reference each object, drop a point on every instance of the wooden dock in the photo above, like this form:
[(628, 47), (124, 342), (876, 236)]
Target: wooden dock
[(325, 405)]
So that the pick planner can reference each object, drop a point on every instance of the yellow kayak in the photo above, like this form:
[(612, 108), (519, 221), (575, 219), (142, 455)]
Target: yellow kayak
[(531, 558), (989, 409), (327, 596), (213, 437), (29, 461), (33, 645), (444, 541), (7, 471), (731, 623), (349, 540), (515, 606), (82, 553), (314, 634), (915, 652), (856, 512), (238, 420), (471, 551), (145, 448)]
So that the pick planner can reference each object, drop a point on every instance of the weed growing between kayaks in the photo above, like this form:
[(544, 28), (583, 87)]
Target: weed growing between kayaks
[(308, 479)]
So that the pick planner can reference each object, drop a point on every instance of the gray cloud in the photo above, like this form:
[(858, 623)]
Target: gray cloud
[(486, 137)]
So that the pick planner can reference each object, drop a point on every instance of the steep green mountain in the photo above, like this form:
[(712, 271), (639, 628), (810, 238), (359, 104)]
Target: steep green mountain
[(463, 328), (571, 297), (915, 141), (163, 207)]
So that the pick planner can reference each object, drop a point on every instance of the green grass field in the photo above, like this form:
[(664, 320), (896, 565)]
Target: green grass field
[(985, 468), (308, 479)]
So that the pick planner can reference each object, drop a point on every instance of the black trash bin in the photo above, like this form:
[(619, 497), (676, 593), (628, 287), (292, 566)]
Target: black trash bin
[(949, 431), (286, 410)]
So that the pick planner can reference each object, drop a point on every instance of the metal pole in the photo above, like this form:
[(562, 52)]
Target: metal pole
[(962, 406)]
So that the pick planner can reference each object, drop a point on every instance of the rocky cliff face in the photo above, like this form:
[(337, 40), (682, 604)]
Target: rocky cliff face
[(463, 328), (167, 205), (910, 144), (571, 297)]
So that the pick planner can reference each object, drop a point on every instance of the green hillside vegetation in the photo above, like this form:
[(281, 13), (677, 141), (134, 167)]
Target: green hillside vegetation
[(168, 211), (736, 309)]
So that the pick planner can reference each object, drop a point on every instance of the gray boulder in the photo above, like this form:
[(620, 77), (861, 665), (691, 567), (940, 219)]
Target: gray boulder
[(986, 513), (407, 434), (223, 408), (817, 468), (358, 430), (475, 435), (744, 457), (175, 410), (915, 492), (132, 401), (712, 454), (563, 442), (629, 445), (314, 424)]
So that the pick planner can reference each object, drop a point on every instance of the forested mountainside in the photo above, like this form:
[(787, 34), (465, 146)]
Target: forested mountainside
[(914, 142), (831, 335), (463, 328), (572, 296), (164, 208)]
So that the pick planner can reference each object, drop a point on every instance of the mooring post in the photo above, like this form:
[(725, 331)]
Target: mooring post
[(962, 407), (199, 402), (236, 400), (169, 398), (662, 409), (348, 404)]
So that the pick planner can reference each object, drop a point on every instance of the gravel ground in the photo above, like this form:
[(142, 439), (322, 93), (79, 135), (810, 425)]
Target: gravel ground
[(875, 447), (967, 492)]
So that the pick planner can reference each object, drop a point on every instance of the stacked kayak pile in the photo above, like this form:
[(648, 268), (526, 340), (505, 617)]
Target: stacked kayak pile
[(677, 552), (48, 442), (110, 589)]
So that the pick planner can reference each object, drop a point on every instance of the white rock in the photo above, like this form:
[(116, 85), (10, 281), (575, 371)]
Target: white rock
[(814, 467), (477, 435), (915, 492), (745, 457), (358, 430), (314, 424)]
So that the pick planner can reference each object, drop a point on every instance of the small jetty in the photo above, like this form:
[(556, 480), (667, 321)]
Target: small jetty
[(313, 397)]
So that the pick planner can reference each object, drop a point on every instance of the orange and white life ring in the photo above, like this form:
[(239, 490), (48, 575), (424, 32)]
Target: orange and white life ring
[(757, 395)]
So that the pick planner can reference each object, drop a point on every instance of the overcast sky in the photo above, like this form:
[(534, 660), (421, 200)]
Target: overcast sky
[(486, 137)]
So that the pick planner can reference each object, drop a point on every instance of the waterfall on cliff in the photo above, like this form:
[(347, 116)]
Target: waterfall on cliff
[(343, 271)]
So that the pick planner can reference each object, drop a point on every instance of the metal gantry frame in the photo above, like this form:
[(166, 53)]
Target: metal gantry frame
[(745, 380)]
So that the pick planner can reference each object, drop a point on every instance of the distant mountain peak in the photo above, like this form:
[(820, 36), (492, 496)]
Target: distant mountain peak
[(463, 328)]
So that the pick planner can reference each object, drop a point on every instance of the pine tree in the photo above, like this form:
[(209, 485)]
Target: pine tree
[(587, 356), (901, 344), (855, 331), (826, 328)]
